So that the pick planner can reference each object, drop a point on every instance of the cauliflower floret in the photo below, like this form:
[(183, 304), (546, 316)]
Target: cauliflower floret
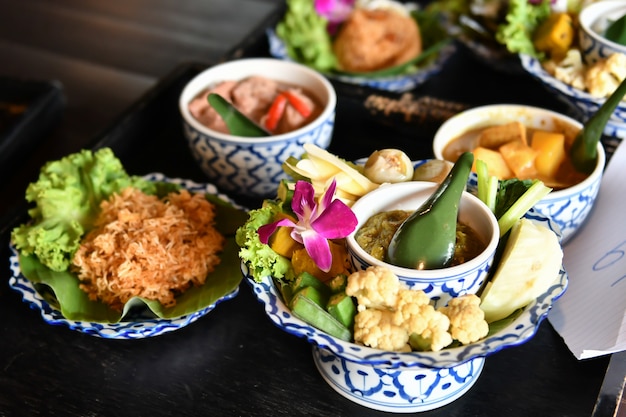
[(467, 320), (427, 327), (375, 328), (375, 287), (570, 70), (603, 77)]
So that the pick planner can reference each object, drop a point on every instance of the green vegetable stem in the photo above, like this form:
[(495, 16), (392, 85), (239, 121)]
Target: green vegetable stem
[(426, 239), (584, 150)]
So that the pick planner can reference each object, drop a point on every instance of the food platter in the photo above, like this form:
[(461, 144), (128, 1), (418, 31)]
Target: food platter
[(137, 321), (396, 83)]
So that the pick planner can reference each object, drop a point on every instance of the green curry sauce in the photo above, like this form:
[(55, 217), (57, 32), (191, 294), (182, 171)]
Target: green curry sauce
[(376, 233)]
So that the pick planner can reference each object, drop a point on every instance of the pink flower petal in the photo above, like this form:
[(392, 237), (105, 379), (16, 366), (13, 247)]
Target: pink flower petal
[(303, 202), (318, 249), (336, 222), (327, 197), (267, 230)]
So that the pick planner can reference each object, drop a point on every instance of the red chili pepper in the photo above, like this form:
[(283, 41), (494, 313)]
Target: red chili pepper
[(276, 112), (298, 104)]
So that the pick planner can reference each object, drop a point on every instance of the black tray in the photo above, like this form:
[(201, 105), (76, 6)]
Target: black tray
[(235, 361), (28, 110)]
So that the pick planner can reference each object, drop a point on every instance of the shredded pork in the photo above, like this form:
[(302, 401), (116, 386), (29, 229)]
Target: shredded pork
[(146, 247)]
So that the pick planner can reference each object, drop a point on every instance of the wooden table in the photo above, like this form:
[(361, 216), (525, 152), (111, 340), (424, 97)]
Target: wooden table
[(122, 67)]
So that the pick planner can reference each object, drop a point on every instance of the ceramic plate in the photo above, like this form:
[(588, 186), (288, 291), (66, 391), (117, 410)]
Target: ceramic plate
[(140, 324), (520, 330), (398, 83)]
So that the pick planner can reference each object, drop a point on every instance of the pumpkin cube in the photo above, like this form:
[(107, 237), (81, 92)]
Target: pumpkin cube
[(555, 35), (520, 158), (495, 136), (496, 165), (550, 147)]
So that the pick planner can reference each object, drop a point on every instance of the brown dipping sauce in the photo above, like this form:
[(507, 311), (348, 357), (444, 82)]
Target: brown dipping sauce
[(254, 96), (376, 234)]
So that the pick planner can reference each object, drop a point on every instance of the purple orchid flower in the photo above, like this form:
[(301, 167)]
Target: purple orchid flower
[(330, 219), (334, 11)]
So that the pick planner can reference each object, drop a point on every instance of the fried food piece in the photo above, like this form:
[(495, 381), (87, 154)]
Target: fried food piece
[(371, 40)]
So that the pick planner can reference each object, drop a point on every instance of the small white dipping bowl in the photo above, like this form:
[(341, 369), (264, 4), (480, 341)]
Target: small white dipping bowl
[(568, 207), (440, 284), (253, 166), (594, 19)]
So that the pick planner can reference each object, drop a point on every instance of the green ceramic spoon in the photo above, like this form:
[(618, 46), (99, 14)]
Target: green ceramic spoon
[(238, 124)]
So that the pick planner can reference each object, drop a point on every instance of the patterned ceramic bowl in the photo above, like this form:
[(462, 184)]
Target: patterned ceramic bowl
[(582, 104), (594, 20), (397, 83), (253, 166), (439, 284), (406, 382), (568, 207)]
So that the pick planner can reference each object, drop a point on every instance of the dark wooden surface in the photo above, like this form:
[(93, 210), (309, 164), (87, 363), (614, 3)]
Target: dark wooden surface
[(123, 65)]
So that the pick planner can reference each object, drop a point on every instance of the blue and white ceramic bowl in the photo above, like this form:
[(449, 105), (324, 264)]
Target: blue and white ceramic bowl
[(253, 166), (568, 207), (140, 325), (581, 104), (594, 19), (406, 382), (397, 83), (440, 284)]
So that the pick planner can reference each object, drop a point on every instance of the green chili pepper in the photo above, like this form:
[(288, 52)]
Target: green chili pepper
[(426, 239), (584, 150)]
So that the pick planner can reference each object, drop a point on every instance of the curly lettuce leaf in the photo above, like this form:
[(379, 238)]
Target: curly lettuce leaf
[(522, 19), (262, 261), (67, 198), (65, 294), (306, 37)]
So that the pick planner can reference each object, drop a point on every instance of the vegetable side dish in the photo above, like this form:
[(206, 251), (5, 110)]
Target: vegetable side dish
[(546, 30), (373, 307), (278, 107), (359, 37)]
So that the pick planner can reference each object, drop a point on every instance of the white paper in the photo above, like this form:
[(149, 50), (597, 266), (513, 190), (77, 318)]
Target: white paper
[(591, 315)]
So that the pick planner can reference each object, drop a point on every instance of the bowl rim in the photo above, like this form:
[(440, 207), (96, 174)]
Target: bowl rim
[(554, 195), (191, 90), (407, 274), (590, 14)]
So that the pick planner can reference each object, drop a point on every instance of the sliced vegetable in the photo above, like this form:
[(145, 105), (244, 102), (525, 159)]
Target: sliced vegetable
[(525, 202), (300, 106), (426, 239), (311, 312), (530, 264), (305, 280), (275, 112), (342, 307), (338, 284)]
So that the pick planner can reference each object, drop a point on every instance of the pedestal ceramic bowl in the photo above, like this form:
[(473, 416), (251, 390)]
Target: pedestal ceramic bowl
[(568, 207), (252, 166), (407, 382)]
